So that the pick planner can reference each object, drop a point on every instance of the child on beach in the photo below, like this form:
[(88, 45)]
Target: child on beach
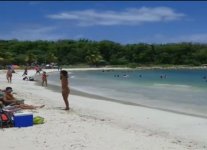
[(44, 78), (9, 75), (65, 88)]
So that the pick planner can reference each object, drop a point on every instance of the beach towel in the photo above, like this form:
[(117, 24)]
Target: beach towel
[(10, 109)]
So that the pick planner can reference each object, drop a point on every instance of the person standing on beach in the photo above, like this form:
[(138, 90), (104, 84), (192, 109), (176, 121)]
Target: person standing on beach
[(65, 87), (9, 75), (44, 78)]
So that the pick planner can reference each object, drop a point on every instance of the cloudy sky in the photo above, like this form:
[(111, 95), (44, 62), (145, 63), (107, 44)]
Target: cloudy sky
[(123, 22)]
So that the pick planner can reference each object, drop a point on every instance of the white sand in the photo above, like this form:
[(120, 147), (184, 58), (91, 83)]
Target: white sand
[(98, 125)]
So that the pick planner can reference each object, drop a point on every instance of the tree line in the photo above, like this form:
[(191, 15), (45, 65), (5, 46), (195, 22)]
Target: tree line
[(83, 51)]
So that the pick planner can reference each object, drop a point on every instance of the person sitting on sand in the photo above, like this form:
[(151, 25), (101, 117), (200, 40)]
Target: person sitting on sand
[(9, 99), (65, 88)]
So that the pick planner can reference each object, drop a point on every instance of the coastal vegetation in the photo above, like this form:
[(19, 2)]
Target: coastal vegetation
[(99, 53)]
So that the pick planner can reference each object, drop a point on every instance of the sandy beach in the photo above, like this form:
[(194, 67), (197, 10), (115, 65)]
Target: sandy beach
[(94, 124)]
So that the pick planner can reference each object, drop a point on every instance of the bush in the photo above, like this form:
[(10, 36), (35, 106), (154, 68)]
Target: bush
[(132, 65)]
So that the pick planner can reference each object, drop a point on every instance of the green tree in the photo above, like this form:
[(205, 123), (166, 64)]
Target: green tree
[(30, 58)]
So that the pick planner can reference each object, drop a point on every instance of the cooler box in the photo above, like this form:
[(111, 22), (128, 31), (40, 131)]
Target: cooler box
[(24, 119)]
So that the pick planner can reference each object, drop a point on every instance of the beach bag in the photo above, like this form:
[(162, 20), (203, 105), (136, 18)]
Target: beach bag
[(38, 120), (6, 120)]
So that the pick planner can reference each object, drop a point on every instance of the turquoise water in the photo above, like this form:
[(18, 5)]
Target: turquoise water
[(181, 91)]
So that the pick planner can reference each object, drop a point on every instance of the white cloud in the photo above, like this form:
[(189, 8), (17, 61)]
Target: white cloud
[(161, 38), (197, 37), (200, 37), (132, 16), (32, 33)]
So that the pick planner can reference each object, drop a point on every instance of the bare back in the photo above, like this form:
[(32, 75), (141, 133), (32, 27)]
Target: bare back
[(9, 73), (64, 82)]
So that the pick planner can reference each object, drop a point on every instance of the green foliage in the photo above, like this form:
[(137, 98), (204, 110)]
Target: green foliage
[(87, 52), (132, 65)]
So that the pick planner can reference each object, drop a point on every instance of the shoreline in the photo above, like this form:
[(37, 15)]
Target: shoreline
[(56, 88), (138, 68), (75, 92), (91, 123)]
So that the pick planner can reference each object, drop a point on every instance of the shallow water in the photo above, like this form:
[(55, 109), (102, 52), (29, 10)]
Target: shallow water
[(181, 91)]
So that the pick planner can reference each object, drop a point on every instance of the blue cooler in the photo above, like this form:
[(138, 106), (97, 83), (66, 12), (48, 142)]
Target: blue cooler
[(23, 119)]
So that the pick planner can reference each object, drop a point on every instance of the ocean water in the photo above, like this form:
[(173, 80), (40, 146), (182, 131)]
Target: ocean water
[(181, 91)]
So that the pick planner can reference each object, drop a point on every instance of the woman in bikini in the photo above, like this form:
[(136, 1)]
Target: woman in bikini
[(65, 87)]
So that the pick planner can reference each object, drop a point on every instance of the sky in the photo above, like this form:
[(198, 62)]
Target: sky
[(125, 22)]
